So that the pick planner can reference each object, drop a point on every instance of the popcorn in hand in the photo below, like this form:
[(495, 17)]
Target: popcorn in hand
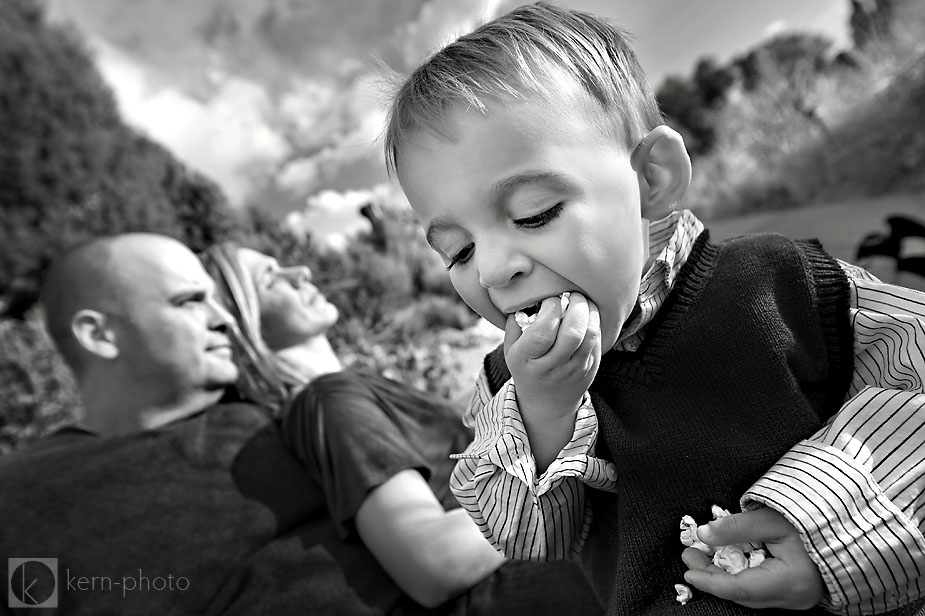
[(689, 536), (756, 557), (525, 320), (731, 558)]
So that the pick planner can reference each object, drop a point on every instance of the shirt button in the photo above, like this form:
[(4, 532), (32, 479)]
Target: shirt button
[(632, 344)]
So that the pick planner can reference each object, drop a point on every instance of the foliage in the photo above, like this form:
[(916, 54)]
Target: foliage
[(37, 393), (71, 167), (789, 122)]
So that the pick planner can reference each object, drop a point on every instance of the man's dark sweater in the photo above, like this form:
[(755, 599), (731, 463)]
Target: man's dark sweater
[(201, 517), (751, 352)]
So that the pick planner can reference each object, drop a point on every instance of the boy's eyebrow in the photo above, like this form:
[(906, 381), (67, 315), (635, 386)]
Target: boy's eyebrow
[(503, 190)]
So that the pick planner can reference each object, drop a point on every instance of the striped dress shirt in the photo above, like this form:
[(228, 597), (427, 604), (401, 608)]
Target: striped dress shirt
[(855, 490)]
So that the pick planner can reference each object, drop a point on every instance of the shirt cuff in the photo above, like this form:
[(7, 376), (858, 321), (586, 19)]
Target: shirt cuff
[(868, 552), (501, 438)]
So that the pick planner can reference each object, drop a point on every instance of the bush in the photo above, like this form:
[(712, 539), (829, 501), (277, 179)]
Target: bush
[(71, 168), (37, 392)]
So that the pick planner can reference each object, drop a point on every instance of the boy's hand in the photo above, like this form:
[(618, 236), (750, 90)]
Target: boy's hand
[(553, 363), (789, 580)]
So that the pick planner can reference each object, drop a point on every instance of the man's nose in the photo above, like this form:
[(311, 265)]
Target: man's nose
[(298, 276), (219, 317), (500, 264)]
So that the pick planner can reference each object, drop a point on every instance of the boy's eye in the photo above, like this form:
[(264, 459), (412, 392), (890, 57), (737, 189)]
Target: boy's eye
[(462, 256), (541, 219)]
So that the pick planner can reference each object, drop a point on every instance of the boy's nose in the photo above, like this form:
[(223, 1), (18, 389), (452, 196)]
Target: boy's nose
[(498, 266)]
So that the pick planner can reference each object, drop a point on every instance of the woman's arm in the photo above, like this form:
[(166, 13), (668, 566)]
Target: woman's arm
[(369, 445), (431, 554)]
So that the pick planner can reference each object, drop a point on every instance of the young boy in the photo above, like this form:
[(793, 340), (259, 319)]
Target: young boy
[(533, 152)]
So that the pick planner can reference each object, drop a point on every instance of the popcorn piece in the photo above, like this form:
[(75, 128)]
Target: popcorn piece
[(756, 557), (524, 320), (689, 536), (685, 594), (718, 512), (564, 300), (688, 530), (731, 559)]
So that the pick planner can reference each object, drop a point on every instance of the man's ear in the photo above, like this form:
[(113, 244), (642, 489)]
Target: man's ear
[(94, 333), (664, 169)]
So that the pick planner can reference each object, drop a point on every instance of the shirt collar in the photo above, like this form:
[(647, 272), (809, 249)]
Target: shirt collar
[(671, 239), (670, 242)]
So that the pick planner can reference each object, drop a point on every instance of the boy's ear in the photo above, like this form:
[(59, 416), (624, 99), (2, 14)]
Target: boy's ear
[(664, 168), (94, 333)]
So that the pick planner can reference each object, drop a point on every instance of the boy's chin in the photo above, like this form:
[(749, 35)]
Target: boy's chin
[(607, 343), (609, 339)]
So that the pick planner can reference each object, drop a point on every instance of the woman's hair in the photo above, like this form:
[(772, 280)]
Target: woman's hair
[(527, 52), (264, 378)]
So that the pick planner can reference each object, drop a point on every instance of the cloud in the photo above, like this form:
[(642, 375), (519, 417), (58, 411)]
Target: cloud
[(225, 137), (354, 117), (439, 22), (332, 217), (277, 101), (776, 27)]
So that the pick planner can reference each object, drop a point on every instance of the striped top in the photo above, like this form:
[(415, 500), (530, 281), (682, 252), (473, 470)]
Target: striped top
[(855, 490)]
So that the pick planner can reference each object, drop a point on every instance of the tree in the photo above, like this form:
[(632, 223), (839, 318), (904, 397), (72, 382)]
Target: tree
[(71, 167)]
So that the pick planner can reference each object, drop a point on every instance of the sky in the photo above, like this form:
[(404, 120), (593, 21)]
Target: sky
[(281, 102)]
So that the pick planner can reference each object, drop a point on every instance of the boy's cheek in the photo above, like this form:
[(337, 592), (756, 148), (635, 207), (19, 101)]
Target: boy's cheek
[(485, 309)]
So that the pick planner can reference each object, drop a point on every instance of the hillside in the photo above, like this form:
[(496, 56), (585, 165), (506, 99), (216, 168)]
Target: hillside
[(793, 122)]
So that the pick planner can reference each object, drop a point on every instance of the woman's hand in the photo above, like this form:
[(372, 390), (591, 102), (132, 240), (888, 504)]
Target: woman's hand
[(553, 362)]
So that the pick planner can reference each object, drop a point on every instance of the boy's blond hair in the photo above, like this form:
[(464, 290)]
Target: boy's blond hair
[(526, 51)]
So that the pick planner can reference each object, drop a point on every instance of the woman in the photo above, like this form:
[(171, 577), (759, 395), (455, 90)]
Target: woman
[(378, 451)]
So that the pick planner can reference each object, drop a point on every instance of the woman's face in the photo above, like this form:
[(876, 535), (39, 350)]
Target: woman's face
[(292, 309)]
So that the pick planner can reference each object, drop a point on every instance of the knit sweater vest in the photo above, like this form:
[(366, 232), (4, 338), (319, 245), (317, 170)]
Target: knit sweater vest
[(751, 352)]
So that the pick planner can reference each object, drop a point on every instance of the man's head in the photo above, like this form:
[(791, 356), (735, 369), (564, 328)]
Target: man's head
[(530, 150), (135, 318)]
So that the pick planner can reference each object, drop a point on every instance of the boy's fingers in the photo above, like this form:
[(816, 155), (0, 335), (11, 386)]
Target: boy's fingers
[(512, 333), (758, 526), (593, 330), (744, 589), (537, 340), (590, 347), (573, 329), (695, 559)]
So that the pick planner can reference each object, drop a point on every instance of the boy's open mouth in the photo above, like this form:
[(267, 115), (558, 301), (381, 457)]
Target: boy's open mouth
[(527, 315)]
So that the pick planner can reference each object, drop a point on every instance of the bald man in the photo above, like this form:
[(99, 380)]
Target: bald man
[(162, 501), (136, 320)]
